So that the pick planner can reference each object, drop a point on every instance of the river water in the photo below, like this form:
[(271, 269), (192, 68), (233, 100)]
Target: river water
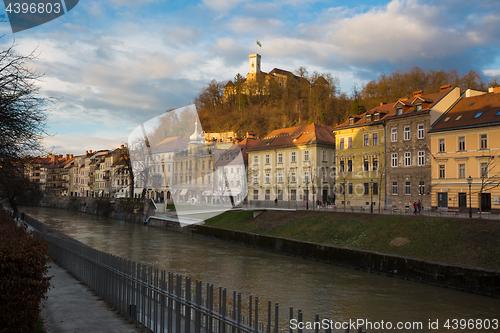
[(338, 293)]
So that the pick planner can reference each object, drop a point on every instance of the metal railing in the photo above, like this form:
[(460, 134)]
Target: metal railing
[(161, 301)]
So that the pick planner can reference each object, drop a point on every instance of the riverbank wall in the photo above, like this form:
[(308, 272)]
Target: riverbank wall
[(470, 279), (120, 209)]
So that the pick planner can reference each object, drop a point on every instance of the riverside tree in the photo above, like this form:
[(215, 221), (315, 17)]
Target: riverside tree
[(22, 120)]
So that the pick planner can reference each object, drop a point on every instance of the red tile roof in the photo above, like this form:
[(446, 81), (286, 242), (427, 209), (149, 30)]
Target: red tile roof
[(296, 136), (242, 146), (169, 144), (469, 108)]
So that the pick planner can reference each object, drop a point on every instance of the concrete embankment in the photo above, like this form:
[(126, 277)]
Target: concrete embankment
[(476, 280)]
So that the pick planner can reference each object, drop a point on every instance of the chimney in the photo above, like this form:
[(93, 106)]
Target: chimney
[(448, 86), (86, 152), (494, 90), (382, 103), (122, 146), (71, 155), (418, 93), (90, 151), (251, 135)]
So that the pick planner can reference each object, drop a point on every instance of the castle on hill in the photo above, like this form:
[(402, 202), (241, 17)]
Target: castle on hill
[(258, 82)]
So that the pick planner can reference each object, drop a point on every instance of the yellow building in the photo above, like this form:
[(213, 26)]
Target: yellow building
[(360, 163), (292, 164), (465, 142)]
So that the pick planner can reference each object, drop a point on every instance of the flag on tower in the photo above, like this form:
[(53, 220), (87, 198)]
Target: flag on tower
[(258, 43)]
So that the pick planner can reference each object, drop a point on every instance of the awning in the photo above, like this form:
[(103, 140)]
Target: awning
[(184, 191)]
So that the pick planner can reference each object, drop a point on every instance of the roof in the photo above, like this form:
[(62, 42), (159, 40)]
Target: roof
[(170, 144), (296, 136), (233, 151), (469, 108), (388, 111)]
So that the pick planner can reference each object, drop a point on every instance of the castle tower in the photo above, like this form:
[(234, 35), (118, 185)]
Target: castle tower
[(254, 63)]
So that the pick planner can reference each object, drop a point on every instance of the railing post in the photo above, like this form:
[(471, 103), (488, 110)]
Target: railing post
[(256, 314), (276, 317), (187, 315), (291, 317)]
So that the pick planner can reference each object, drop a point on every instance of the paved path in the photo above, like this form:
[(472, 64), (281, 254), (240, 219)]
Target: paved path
[(72, 307)]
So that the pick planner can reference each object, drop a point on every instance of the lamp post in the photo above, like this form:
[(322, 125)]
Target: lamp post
[(371, 196), (469, 180)]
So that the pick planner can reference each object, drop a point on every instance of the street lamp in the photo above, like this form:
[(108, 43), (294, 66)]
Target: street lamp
[(469, 180), (371, 196), (307, 191)]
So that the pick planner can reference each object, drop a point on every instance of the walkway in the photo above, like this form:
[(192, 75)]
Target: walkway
[(72, 307)]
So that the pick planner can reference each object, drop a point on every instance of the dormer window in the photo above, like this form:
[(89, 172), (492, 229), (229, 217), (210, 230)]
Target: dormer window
[(418, 108), (368, 118), (377, 116), (351, 121), (400, 111)]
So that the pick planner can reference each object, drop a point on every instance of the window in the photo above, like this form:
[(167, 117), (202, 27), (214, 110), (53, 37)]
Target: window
[(255, 181), (368, 118), (306, 155), (365, 165), (394, 160), (280, 157), (351, 121), (421, 158), (461, 171), (394, 188), (462, 199), (268, 195), (349, 188), (350, 142), (407, 133), (375, 164), (349, 165), (421, 187), (407, 159), (441, 146), (267, 178), (421, 131), (256, 159), (341, 166), (306, 177), (256, 194), (267, 158), (484, 170), (293, 157), (484, 141), (366, 140), (367, 188), (324, 156), (441, 171), (400, 111), (459, 117), (375, 189), (478, 115), (461, 143), (394, 134), (342, 143), (280, 177), (419, 107), (446, 119), (377, 116), (293, 194), (280, 194), (294, 177), (375, 139), (408, 188)]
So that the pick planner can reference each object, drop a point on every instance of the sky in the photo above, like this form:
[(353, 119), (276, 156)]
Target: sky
[(112, 65)]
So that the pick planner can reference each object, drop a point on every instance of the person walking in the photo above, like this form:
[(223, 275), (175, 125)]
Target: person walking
[(419, 206), (415, 208)]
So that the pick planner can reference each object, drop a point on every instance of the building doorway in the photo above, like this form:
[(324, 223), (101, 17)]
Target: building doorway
[(485, 202), (442, 200)]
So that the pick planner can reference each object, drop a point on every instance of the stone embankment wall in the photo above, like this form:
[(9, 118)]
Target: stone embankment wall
[(121, 209), (481, 281)]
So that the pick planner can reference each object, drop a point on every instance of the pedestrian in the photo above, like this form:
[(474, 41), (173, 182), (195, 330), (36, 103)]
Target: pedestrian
[(23, 216), (276, 202), (419, 206), (415, 208)]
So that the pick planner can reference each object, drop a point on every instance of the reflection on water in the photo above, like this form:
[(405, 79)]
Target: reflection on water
[(330, 291)]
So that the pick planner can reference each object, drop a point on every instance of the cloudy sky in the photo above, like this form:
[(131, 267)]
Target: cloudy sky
[(115, 64)]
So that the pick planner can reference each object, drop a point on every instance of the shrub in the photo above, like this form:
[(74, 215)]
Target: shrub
[(23, 280)]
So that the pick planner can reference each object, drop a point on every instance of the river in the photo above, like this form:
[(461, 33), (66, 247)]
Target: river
[(339, 293)]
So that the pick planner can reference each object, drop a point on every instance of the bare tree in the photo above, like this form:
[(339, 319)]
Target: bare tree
[(125, 168), (489, 177), (22, 119)]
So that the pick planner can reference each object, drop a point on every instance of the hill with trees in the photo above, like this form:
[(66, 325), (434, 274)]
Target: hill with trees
[(269, 105)]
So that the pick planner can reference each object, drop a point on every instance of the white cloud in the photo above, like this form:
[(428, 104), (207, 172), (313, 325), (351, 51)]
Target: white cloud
[(78, 145), (222, 5)]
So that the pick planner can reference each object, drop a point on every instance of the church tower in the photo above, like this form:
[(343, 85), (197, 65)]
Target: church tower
[(254, 62)]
